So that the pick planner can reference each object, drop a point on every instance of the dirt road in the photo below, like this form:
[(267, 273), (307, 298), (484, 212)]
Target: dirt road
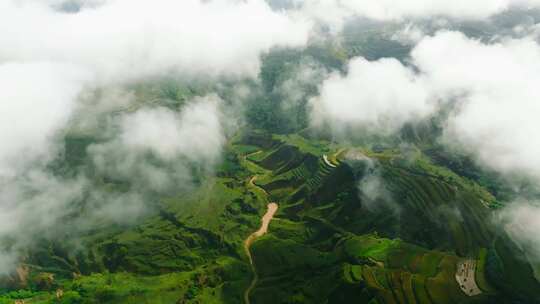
[(252, 184), (265, 222)]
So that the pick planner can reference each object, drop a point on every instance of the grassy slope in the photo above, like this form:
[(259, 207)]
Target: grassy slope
[(327, 243), (443, 218)]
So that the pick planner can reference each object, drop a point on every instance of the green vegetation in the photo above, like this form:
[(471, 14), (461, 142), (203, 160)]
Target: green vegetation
[(329, 243)]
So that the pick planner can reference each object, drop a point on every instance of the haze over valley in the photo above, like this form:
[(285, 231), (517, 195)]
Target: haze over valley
[(278, 151)]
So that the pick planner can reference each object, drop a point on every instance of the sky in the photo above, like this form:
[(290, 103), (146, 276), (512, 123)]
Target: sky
[(55, 52)]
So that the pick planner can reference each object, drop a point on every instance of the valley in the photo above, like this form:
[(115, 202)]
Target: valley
[(326, 243), (269, 152)]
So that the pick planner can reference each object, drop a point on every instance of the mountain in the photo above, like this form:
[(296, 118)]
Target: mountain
[(268, 152), (335, 238)]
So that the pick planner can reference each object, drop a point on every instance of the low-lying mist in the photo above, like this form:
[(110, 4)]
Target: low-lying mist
[(143, 95)]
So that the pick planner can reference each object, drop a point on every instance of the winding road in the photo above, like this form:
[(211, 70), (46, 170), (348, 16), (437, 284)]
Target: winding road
[(267, 217), (271, 210)]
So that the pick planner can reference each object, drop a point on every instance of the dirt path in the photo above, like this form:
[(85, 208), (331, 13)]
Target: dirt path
[(252, 184), (265, 222)]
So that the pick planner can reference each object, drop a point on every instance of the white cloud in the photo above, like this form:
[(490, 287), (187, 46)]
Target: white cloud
[(493, 84), (49, 56), (374, 96), (7, 260), (521, 220), (195, 132), (34, 204), (174, 140), (126, 39), (36, 100), (409, 35), (372, 190), (336, 12), (152, 151), (496, 83), (300, 83), (493, 89)]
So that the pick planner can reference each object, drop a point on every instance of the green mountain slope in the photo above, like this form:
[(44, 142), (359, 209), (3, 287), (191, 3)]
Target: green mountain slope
[(333, 240)]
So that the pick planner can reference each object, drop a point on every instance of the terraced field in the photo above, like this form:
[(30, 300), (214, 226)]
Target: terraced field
[(406, 257), (330, 242)]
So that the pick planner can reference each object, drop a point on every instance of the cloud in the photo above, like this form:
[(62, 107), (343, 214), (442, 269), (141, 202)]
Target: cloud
[(498, 104), (155, 147), (411, 34), (49, 73), (491, 85), (54, 56), (301, 83), (195, 132), (372, 191), (336, 12), (36, 100), (35, 201), (125, 39), (149, 152), (374, 96), (491, 88), (521, 220), (6, 262), (43, 69), (105, 207), (34, 204), (374, 194)]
